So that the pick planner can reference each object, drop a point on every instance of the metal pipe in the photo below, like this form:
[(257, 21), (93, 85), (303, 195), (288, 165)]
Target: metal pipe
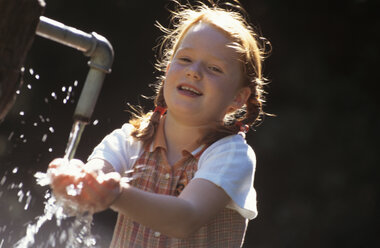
[(101, 56), (92, 45)]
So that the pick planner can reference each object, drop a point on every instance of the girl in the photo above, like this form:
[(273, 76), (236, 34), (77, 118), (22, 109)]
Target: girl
[(182, 175)]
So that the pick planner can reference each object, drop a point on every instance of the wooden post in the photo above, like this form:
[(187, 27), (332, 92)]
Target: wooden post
[(18, 23)]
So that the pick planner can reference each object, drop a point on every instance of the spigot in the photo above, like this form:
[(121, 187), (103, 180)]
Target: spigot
[(92, 45), (100, 63)]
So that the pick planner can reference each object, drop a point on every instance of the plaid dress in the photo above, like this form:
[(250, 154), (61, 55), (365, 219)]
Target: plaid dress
[(154, 174)]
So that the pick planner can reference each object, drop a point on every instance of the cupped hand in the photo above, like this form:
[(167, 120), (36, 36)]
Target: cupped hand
[(89, 189)]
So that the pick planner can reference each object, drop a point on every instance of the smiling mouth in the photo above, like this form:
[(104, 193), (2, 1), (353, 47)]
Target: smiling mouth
[(189, 90)]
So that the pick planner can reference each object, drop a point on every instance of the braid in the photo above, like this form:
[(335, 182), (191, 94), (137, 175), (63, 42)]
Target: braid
[(160, 100), (247, 43), (146, 133), (254, 105)]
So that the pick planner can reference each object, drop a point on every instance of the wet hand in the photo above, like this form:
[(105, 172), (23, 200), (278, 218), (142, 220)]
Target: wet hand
[(88, 189)]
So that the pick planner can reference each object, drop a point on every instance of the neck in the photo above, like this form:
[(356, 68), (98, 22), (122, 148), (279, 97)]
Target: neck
[(180, 136)]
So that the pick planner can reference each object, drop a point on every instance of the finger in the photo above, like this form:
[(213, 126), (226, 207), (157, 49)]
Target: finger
[(57, 163), (112, 180), (101, 195), (60, 183), (76, 162)]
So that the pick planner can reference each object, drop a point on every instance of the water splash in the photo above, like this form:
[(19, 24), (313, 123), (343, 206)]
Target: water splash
[(79, 234), (59, 225)]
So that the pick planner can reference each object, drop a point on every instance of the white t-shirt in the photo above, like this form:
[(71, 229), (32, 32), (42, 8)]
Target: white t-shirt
[(228, 163)]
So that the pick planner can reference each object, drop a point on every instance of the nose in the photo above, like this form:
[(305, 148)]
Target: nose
[(194, 71)]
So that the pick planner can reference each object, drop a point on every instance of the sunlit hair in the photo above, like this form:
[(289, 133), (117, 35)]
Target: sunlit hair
[(231, 21)]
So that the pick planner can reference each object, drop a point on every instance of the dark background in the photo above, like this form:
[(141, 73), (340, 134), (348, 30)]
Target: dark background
[(317, 160)]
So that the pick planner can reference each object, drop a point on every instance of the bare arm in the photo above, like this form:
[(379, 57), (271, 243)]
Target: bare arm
[(99, 164), (100, 185), (177, 217)]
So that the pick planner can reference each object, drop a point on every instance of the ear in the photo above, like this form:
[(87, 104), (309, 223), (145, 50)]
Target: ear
[(241, 98)]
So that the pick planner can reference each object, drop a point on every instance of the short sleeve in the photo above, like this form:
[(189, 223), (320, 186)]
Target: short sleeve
[(230, 164), (118, 148)]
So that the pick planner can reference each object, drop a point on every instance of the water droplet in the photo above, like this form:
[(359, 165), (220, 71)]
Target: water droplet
[(28, 199), (64, 101), (14, 171), (31, 71), (11, 135), (22, 70), (51, 129), (63, 237), (37, 76), (54, 95), (18, 92), (21, 136), (41, 118), (70, 89), (63, 88), (2, 181), (47, 119), (20, 195), (22, 113), (44, 137), (76, 83), (46, 100), (29, 86), (35, 124), (95, 122), (47, 195), (73, 190), (50, 149)]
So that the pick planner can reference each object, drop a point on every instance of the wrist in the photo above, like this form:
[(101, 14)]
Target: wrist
[(115, 203)]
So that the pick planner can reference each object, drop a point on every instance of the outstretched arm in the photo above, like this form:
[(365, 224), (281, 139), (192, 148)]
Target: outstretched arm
[(177, 217), (89, 187)]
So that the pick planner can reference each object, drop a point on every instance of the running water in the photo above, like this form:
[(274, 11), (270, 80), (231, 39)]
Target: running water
[(60, 224), (73, 229), (74, 137), (79, 234)]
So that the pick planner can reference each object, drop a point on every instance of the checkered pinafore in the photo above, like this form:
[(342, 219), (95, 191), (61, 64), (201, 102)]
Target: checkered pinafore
[(154, 174)]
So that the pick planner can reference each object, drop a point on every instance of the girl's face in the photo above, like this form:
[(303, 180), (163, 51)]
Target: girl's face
[(203, 81)]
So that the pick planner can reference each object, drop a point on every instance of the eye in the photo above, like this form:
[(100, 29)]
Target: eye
[(185, 59), (215, 69)]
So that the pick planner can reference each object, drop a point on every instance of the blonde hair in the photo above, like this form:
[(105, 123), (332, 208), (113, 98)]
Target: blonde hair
[(232, 22)]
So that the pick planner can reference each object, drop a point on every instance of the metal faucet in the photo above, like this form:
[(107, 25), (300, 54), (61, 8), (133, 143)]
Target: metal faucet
[(101, 56), (92, 45)]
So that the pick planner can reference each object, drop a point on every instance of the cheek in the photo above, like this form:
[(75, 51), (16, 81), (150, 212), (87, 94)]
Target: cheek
[(227, 88), (173, 69), (167, 91), (170, 77)]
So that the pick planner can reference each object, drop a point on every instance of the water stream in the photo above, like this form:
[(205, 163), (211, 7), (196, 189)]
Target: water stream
[(60, 225), (74, 137), (78, 235)]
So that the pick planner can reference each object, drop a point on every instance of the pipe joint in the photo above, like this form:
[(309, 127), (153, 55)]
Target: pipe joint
[(101, 53), (92, 45)]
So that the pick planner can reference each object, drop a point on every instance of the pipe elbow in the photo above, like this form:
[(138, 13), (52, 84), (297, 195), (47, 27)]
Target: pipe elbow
[(101, 53)]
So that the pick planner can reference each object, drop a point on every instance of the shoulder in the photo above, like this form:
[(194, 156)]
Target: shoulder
[(125, 130), (119, 148), (122, 137), (233, 147), (230, 164)]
